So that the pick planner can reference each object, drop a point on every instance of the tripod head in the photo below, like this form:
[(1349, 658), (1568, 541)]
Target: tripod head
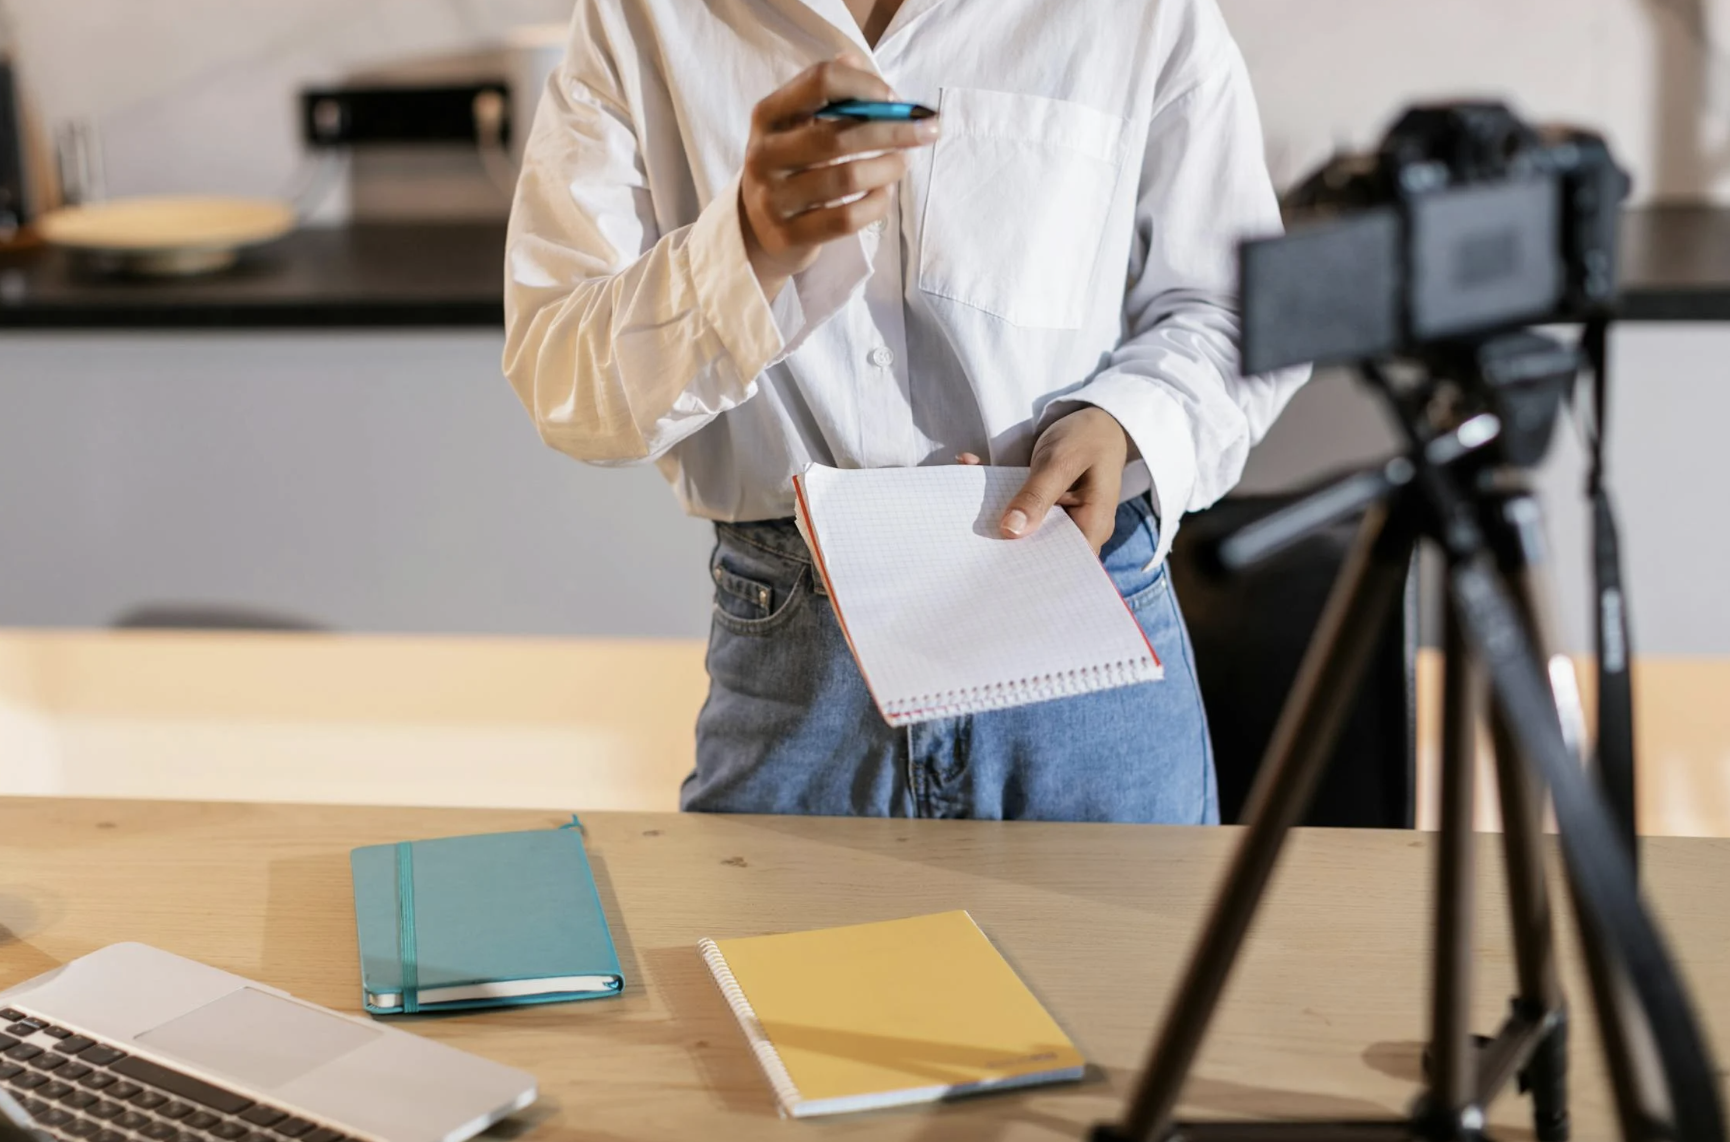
[(1520, 378), (1468, 407)]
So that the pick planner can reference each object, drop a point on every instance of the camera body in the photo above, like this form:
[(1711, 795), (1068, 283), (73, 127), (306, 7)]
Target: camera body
[(1464, 223)]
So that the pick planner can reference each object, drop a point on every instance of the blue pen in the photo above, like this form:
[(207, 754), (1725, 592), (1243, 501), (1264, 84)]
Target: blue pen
[(863, 109)]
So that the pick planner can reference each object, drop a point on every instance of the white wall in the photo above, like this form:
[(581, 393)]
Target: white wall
[(1652, 74), (366, 481), (199, 94)]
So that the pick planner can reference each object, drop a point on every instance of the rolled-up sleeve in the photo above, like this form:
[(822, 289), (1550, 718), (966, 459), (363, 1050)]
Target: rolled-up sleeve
[(1173, 382), (621, 340)]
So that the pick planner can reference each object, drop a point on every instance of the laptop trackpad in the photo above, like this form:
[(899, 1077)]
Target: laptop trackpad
[(257, 1039)]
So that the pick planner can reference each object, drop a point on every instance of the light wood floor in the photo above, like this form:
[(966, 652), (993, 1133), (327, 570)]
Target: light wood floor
[(545, 724)]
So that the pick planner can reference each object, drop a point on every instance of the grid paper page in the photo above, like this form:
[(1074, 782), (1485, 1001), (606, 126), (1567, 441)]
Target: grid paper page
[(944, 615)]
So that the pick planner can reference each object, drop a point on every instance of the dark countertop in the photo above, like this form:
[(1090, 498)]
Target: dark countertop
[(1676, 264), (369, 275), (1676, 267)]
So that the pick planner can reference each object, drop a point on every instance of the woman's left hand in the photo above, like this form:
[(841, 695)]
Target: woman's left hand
[(1077, 465)]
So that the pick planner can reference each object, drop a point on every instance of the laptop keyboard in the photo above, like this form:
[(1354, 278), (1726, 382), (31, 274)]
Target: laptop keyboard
[(79, 1089)]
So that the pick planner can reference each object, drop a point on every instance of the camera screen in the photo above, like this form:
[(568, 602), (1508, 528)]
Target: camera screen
[(1327, 292), (1484, 256)]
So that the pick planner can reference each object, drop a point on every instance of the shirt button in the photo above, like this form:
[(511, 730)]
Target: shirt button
[(878, 226), (881, 357)]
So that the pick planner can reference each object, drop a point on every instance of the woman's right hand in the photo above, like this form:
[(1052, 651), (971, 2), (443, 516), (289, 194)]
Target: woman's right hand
[(808, 181)]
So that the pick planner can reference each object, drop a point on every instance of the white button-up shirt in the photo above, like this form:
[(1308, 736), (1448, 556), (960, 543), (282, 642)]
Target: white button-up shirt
[(1070, 239)]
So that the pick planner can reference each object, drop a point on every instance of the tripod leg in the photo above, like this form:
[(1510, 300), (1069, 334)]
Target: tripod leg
[(1540, 991), (1368, 592), (1522, 798), (1636, 1078), (1539, 996), (1452, 1106), (1512, 526)]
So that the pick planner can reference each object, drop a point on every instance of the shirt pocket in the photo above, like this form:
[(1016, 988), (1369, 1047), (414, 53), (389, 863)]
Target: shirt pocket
[(1020, 189)]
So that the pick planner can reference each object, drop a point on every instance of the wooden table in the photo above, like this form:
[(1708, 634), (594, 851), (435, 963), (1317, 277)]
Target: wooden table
[(1324, 1016)]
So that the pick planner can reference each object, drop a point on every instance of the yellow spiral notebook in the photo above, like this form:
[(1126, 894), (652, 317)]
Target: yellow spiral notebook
[(887, 1014)]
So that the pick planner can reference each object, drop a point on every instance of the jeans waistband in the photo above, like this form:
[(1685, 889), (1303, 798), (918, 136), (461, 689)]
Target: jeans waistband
[(779, 536)]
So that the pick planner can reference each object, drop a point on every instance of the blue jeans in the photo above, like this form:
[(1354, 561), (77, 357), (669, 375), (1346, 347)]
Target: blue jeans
[(790, 728)]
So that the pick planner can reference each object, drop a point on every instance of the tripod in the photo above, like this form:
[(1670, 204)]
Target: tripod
[(1473, 420)]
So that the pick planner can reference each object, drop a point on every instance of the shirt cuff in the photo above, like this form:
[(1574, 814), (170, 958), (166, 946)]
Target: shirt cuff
[(727, 289), (1158, 426)]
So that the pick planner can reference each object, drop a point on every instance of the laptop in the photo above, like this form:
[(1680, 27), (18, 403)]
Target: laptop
[(133, 1044)]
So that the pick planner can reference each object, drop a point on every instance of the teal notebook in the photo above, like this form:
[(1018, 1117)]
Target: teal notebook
[(485, 921)]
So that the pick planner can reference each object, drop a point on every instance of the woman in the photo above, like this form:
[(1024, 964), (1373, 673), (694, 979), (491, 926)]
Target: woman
[(702, 275)]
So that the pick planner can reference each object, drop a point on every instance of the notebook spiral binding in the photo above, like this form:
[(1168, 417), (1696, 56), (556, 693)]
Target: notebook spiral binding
[(786, 1094), (998, 695)]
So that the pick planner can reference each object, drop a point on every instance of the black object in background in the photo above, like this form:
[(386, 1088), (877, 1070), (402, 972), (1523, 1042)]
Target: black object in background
[(349, 116), (12, 209), (1251, 631)]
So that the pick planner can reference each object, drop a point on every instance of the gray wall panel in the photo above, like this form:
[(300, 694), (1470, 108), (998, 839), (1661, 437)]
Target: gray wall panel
[(364, 481)]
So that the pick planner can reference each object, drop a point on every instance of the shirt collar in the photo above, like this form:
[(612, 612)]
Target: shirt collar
[(835, 13)]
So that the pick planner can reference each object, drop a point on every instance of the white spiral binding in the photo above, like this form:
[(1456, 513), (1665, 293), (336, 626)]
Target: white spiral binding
[(786, 1094), (997, 695)]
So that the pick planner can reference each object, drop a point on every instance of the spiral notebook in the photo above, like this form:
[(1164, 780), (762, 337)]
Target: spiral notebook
[(887, 1014), (946, 617)]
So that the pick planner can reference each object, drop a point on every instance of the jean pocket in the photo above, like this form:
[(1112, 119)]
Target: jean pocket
[(1145, 587), (1015, 212), (1128, 555), (756, 591)]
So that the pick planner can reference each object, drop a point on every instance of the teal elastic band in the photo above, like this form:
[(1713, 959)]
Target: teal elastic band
[(405, 927)]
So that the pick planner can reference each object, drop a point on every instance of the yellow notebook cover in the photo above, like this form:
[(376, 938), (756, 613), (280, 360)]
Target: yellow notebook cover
[(887, 1014)]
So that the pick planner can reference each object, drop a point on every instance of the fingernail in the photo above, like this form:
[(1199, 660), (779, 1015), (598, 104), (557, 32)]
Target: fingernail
[(1015, 522), (927, 130)]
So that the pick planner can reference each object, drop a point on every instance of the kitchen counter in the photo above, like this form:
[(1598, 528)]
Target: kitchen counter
[(379, 276), (1676, 264), (1676, 267)]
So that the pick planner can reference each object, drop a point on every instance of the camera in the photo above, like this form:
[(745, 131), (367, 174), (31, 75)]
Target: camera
[(1466, 222)]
